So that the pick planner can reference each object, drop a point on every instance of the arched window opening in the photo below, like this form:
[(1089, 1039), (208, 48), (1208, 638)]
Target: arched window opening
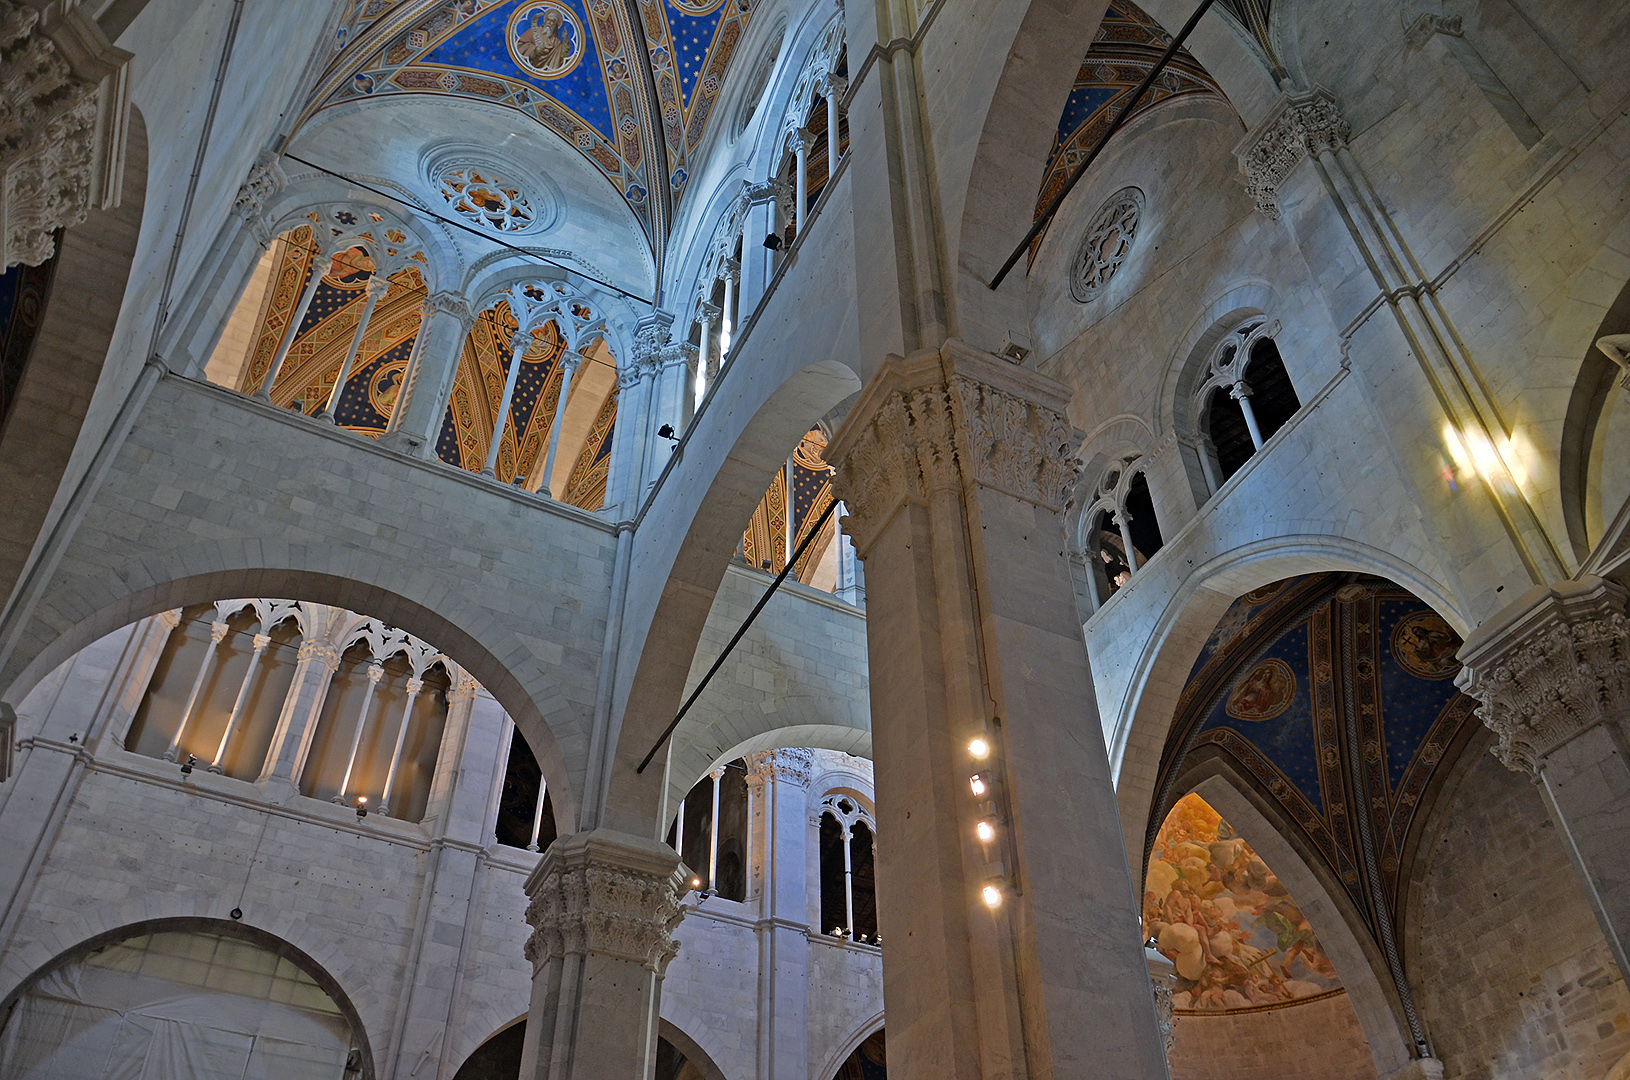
[(868, 1062), (526, 816), (1110, 565), (710, 832), (848, 870), (1244, 397), (1140, 509), (218, 1003), (499, 1058), (797, 497), (1273, 398), (1122, 532)]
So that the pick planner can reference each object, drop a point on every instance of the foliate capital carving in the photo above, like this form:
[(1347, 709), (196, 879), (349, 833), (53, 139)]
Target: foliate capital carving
[(607, 894), (675, 353), (1298, 126), (1164, 978), (464, 688), (449, 304), (265, 179), (325, 653), (217, 632), (62, 126), (957, 420), (794, 765), (1553, 664)]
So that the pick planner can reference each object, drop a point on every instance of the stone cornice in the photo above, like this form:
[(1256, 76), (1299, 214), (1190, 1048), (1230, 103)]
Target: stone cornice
[(1553, 664), (607, 894), (959, 419)]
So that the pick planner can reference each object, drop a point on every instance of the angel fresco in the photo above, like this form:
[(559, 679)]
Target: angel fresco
[(1425, 646), (1224, 919), (1264, 693)]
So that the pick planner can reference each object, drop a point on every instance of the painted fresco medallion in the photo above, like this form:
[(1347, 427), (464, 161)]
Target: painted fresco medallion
[(1263, 594), (697, 7), (386, 385), (1265, 693), (1424, 645), (545, 39)]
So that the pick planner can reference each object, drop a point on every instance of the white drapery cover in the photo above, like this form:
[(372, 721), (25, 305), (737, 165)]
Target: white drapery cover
[(196, 1007)]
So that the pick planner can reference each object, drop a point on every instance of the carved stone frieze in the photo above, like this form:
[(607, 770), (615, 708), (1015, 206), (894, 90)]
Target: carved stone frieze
[(1298, 126), (795, 766), (606, 894), (62, 126), (1550, 666), (959, 419)]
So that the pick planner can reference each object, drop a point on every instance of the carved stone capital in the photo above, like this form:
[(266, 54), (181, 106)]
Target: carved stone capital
[(319, 652), (608, 894), (449, 304), (1299, 125), (62, 125), (464, 688), (961, 419), (795, 766), (1163, 975), (1553, 664), (265, 180)]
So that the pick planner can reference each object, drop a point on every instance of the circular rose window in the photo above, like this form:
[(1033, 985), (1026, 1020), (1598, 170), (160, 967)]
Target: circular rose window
[(1108, 240), (486, 199)]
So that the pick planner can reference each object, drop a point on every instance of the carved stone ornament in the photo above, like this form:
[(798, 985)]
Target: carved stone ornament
[(1163, 976), (794, 766), (1107, 243), (264, 181), (1298, 126), (1616, 347), (63, 115), (607, 894), (956, 420), (1550, 666)]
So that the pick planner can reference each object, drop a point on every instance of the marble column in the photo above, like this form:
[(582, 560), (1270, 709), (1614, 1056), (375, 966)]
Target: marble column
[(798, 142), (778, 787), (314, 669), (568, 368), (378, 285), (603, 909), (833, 87), (953, 467), (1552, 673), (416, 422), (517, 349), (320, 264)]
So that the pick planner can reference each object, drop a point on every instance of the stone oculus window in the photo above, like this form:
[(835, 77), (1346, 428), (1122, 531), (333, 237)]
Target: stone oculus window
[(1108, 241), (486, 198)]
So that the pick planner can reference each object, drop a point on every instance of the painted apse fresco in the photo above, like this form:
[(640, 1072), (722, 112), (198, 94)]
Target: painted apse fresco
[(1232, 930), (369, 399), (574, 66), (1328, 696)]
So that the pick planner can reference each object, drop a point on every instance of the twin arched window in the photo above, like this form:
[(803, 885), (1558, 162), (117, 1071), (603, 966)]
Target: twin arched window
[(1244, 397), (1121, 532), (848, 870)]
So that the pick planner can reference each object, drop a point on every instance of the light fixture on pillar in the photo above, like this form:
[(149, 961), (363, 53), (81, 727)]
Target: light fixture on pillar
[(362, 807), (986, 831), (773, 241), (666, 431), (186, 766), (977, 783), (992, 895), (980, 749)]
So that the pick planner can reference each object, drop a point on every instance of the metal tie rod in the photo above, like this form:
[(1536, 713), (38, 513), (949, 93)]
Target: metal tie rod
[(1103, 140), (717, 664)]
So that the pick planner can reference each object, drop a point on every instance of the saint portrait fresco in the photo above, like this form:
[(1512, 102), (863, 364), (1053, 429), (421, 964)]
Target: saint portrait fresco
[(1265, 693), (545, 39), (1424, 645), (1225, 921)]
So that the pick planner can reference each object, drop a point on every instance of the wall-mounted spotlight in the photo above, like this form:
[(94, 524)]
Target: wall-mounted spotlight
[(992, 895), (986, 831), (980, 749), (977, 783), (666, 431), (186, 766), (773, 241), (362, 807)]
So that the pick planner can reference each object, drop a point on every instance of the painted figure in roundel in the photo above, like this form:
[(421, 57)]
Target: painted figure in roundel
[(1424, 645), (386, 386), (1265, 693), (545, 39)]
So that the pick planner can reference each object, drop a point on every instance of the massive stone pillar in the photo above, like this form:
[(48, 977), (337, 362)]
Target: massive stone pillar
[(778, 789), (1017, 957), (1553, 674), (603, 909)]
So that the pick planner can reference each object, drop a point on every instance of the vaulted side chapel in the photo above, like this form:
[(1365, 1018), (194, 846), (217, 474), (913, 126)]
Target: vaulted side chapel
[(814, 540)]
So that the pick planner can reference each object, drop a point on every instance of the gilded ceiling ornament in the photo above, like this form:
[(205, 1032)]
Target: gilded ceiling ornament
[(1108, 242)]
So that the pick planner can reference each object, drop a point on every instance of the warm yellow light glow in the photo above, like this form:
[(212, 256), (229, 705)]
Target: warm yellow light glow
[(695, 882), (986, 831), (1473, 451), (993, 896), (362, 800), (980, 749), (978, 785)]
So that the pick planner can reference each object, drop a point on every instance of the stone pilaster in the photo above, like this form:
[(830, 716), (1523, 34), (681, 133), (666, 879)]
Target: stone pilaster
[(1552, 673), (603, 909), (445, 320), (62, 126), (954, 468), (778, 791)]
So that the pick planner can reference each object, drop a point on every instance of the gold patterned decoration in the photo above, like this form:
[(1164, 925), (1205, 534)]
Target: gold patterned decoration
[(288, 279), (586, 486), (764, 544), (478, 389)]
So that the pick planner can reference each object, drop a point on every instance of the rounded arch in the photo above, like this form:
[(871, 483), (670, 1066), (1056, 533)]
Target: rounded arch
[(346, 577), (84, 935), (66, 362), (865, 1030), (1331, 915), (695, 1053), (1143, 718), (1228, 308), (1581, 457)]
